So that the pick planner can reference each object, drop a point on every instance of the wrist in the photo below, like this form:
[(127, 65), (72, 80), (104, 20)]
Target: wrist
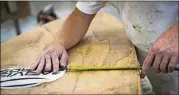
[(58, 42)]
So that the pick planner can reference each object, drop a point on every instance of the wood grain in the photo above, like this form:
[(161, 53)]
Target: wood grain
[(105, 44)]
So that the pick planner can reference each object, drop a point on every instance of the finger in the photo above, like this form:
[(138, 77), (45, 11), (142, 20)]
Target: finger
[(156, 63), (164, 63), (40, 66), (56, 64), (148, 62), (34, 65), (48, 64), (63, 59), (171, 65), (142, 75)]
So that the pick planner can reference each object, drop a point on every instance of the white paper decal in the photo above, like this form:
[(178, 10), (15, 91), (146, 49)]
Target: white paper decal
[(12, 78)]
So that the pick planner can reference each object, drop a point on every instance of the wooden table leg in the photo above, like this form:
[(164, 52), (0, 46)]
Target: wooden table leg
[(17, 26)]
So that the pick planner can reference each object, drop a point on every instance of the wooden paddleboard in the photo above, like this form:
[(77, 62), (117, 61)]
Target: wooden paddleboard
[(105, 44)]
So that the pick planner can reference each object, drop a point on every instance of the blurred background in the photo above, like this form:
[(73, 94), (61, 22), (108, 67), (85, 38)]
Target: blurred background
[(21, 16)]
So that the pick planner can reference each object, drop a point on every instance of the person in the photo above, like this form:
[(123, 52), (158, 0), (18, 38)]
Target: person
[(151, 26)]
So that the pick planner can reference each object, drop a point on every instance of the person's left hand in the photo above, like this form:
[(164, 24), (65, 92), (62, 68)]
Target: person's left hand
[(164, 53)]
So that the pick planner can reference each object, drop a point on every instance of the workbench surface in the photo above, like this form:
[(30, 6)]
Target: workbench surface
[(105, 44)]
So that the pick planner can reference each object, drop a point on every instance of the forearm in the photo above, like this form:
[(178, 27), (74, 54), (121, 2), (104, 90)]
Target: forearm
[(171, 34), (173, 30), (73, 29)]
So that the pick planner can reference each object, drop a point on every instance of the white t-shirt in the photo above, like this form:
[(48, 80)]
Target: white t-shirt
[(144, 21)]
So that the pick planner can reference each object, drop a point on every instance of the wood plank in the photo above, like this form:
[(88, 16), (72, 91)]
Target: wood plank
[(105, 44)]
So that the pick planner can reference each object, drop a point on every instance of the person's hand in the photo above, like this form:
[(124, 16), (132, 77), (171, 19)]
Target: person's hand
[(51, 61), (164, 53)]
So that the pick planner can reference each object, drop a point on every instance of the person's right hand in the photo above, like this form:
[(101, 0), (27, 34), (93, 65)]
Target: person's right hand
[(51, 60)]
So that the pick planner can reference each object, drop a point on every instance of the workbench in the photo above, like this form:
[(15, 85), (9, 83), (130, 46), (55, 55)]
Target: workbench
[(105, 44)]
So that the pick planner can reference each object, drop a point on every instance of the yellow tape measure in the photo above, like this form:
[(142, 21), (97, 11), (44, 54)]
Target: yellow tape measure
[(96, 68)]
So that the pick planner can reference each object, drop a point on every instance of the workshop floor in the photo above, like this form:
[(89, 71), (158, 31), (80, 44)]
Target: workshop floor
[(63, 9)]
